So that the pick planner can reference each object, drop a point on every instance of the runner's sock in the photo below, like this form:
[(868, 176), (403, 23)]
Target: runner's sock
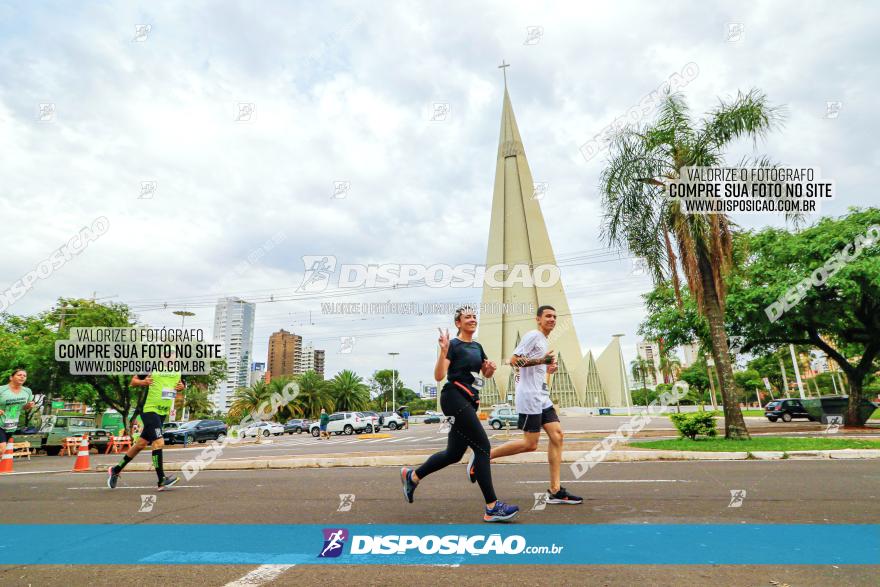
[(121, 465), (157, 463)]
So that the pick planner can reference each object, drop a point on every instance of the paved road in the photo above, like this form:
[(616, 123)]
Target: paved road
[(419, 439), (816, 492)]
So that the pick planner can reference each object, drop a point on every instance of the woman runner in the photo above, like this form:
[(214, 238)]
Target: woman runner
[(461, 360)]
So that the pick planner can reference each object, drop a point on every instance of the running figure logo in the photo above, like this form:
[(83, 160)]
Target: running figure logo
[(346, 500), (334, 541), (318, 269), (540, 501), (147, 503), (737, 496)]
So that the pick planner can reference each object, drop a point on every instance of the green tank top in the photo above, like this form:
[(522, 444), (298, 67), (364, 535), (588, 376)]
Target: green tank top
[(161, 394)]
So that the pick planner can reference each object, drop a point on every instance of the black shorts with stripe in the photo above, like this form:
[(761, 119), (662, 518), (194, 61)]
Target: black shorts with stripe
[(152, 426)]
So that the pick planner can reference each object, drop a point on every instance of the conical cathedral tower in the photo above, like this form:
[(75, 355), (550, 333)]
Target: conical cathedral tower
[(518, 237)]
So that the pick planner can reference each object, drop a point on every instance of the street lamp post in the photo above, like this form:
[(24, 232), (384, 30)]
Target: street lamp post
[(183, 314), (393, 383)]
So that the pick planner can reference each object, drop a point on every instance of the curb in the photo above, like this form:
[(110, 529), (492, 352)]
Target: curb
[(525, 458)]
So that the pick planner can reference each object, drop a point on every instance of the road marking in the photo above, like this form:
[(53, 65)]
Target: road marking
[(260, 575), (133, 487), (398, 440), (37, 472), (567, 481)]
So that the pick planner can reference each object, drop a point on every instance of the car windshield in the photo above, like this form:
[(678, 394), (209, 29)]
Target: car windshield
[(188, 425)]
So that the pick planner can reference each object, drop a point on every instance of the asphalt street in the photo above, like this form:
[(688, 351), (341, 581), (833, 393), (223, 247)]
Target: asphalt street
[(790, 491)]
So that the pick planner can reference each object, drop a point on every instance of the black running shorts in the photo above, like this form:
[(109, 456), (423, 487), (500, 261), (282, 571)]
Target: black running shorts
[(534, 422)]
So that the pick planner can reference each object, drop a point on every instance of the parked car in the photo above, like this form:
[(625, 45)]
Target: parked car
[(196, 431), (342, 423), (391, 420), (372, 422), (171, 426), (261, 428), (297, 425), (501, 417), (431, 418), (786, 409), (54, 429)]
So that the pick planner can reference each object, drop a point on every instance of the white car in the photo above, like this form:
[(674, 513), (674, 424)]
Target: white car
[(372, 419), (263, 429), (391, 420), (342, 423)]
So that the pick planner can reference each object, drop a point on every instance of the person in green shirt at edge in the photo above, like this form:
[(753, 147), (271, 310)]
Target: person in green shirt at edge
[(323, 424), (163, 388), (13, 397)]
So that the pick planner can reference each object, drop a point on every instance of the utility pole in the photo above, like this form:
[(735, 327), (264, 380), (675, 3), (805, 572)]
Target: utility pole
[(784, 378), (393, 383), (797, 371)]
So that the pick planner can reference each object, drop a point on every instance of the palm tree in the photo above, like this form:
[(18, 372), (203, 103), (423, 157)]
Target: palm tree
[(289, 410), (640, 218), (640, 368), (349, 391), (197, 403), (314, 394), (247, 400)]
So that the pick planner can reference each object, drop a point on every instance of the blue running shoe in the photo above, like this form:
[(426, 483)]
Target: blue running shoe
[(409, 487), (502, 512)]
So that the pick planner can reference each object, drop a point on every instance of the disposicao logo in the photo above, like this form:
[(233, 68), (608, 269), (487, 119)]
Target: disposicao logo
[(334, 542)]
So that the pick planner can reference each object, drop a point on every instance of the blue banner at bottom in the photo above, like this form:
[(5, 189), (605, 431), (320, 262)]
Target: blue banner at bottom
[(612, 544)]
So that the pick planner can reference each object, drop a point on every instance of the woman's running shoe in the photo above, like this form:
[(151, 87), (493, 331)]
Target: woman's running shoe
[(502, 512), (409, 486)]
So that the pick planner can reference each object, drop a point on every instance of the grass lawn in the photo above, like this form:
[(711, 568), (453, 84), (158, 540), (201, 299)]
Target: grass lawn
[(775, 443), (756, 412)]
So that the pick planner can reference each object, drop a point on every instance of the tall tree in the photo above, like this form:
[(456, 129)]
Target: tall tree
[(314, 394), (641, 218), (818, 287)]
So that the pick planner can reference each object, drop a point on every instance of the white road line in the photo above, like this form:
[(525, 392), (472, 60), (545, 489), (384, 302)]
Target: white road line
[(398, 440), (38, 472), (567, 481), (133, 487), (260, 575)]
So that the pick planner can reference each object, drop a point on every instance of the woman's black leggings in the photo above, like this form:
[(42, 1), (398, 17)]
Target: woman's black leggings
[(467, 431)]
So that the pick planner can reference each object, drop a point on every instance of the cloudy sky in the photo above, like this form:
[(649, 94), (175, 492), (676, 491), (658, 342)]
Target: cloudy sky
[(96, 111)]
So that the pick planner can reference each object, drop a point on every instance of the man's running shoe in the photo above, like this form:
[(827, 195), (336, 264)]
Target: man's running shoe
[(563, 496), (409, 486), (168, 482), (502, 512), (471, 469), (112, 477)]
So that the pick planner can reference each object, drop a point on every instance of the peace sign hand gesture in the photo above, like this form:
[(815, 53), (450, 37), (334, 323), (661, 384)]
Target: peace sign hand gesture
[(443, 341)]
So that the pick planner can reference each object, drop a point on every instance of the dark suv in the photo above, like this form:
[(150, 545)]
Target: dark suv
[(297, 425), (786, 409), (196, 431)]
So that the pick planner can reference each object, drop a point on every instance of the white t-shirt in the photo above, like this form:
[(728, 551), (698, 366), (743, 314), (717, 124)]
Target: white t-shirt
[(532, 394)]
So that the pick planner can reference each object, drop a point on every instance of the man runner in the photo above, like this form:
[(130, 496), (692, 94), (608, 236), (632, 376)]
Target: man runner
[(533, 363), (13, 397), (163, 388)]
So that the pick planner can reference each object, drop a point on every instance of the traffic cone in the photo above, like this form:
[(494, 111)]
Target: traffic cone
[(82, 456), (6, 461)]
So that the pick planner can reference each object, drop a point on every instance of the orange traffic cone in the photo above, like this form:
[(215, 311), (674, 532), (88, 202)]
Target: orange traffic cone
[(82, 456), (6, 461)]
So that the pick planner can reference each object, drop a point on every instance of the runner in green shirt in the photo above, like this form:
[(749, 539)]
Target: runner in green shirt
[(13, 397), (163, 388)]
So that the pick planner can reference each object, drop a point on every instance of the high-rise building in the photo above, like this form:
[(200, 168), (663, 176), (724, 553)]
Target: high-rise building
[(234, 332), (305, 359), (690, 354), (258, 373), (518, 240), (319, 362), (284, 353), (649, 350)]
